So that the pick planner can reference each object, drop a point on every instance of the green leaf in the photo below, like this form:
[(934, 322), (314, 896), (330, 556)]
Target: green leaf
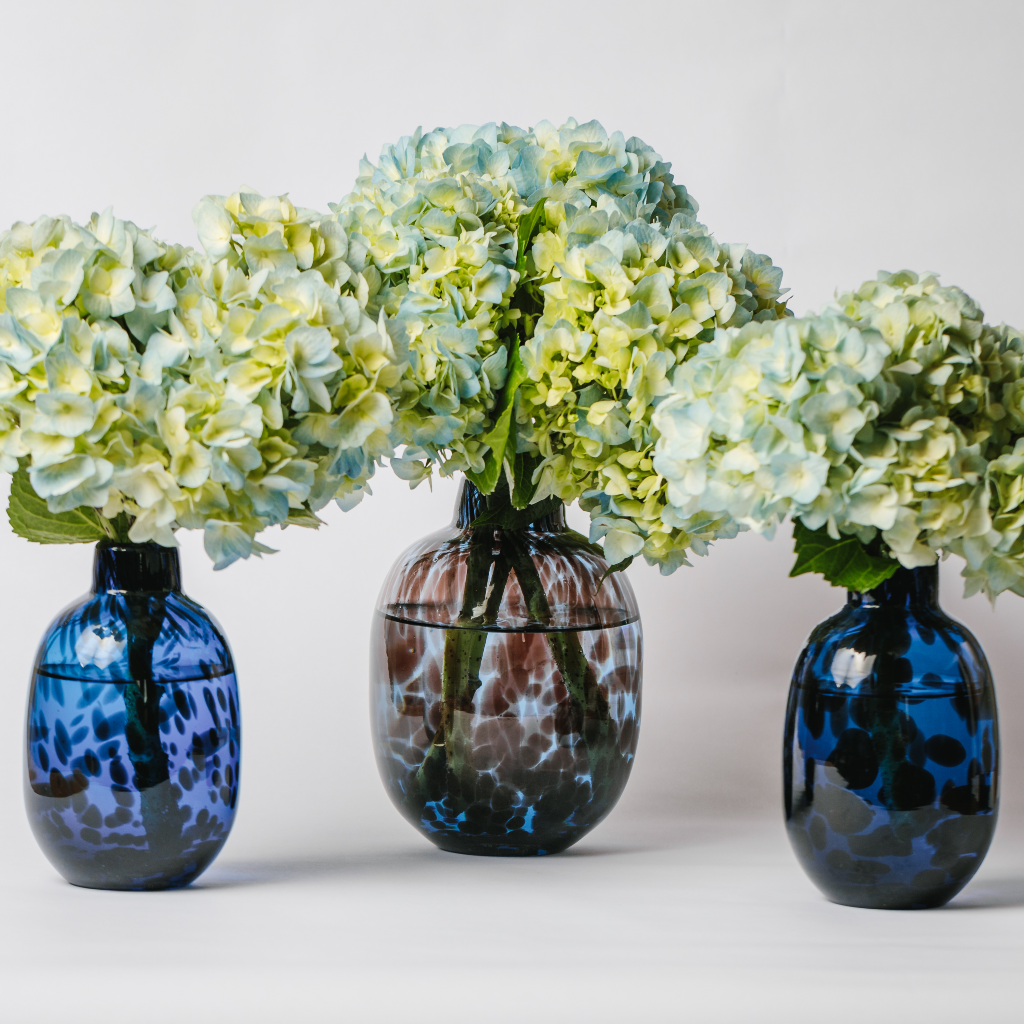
[(499, 513), (844, 563), (30, 518), (303, 517), (498, 437), (528, 224), (523, 469), (617, 567)]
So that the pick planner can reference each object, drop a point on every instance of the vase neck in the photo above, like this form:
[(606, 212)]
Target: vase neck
[(470, 504), (128, 568), (906, 588)]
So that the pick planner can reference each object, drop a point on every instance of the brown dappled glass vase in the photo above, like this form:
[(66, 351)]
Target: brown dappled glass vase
[(505, 685)]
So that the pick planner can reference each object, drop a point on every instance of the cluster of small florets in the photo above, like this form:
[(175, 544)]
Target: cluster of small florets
[(440, 217), (167, 389), (896, 413), (626, 301), (436, 220), (556, 279)]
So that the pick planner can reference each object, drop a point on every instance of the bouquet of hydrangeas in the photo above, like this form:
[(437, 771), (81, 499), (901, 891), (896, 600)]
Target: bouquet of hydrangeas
[(539, 308), (540, 287), (144, 387), (487, 299)]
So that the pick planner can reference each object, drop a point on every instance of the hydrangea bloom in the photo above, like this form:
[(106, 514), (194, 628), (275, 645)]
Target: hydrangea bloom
[(292, 298), (165, 389), (436, 221), (567, 252), (895, 415), (627, 301)]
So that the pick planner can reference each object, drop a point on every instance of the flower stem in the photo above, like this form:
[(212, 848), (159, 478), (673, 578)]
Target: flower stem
[(566, 648), (493, 556), (161, 817), (486, 578)]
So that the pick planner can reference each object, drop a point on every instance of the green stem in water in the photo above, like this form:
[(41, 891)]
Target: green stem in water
[(888, 639), (886, 733), (487, 574), (161, 817), (486, 579), (566, 648)]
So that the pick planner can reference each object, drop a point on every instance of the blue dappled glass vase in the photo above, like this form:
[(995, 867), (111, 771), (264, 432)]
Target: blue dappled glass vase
[(505, 685), (132, 740), (891, 752)]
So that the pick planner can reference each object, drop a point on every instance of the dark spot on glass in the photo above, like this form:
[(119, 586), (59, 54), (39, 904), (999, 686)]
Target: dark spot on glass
[(854, 758), (912, 787), (945, 750), (118, 773)]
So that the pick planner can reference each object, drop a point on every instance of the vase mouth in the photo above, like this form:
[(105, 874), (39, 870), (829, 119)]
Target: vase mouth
[(121, 567), (905, 588), (470, 503)]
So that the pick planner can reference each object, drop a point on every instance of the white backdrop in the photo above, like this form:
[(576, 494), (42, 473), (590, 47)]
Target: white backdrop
[(838, 138)]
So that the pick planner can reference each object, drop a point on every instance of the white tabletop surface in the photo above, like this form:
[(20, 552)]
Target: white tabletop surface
[(326, 906), (645, 920)]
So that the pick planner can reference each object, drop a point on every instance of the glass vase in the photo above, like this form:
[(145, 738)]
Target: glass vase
[(891, 751), (132, 741), (505, 685)]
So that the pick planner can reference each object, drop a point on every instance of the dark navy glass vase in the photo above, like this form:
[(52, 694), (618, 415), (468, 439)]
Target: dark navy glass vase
[(505, 685), (891, 751), (132, 741)]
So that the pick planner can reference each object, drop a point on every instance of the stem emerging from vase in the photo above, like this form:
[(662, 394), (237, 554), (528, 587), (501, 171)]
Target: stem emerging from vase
[(494, 555)]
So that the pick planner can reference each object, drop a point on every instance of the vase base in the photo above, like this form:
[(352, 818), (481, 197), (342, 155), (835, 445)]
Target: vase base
[(129, 870), (894, 900), (115, 887), (494, 846), (891, 896)]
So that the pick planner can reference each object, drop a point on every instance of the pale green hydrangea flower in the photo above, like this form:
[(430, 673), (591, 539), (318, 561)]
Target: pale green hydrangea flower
[(896, 414), (626, 303), (571, 247), (227, 392)]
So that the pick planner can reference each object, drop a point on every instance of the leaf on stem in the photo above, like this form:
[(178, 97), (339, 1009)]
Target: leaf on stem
[(844, 563), (523, 468), (303, 517), (499, 513), (30, 518), (528, 224), (617, 567), (498, 438), (510, 518)]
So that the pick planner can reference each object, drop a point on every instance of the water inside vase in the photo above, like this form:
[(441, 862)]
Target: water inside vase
[(112, 808), (530, 767), (893, 792)]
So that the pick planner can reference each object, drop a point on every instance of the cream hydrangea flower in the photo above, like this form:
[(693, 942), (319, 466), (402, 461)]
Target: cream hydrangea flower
[(565, 254), (895, 416), (165, 389)]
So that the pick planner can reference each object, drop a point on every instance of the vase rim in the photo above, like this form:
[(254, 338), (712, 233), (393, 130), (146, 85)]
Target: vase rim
[(916, 586), (470, 503), (121, 567)]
